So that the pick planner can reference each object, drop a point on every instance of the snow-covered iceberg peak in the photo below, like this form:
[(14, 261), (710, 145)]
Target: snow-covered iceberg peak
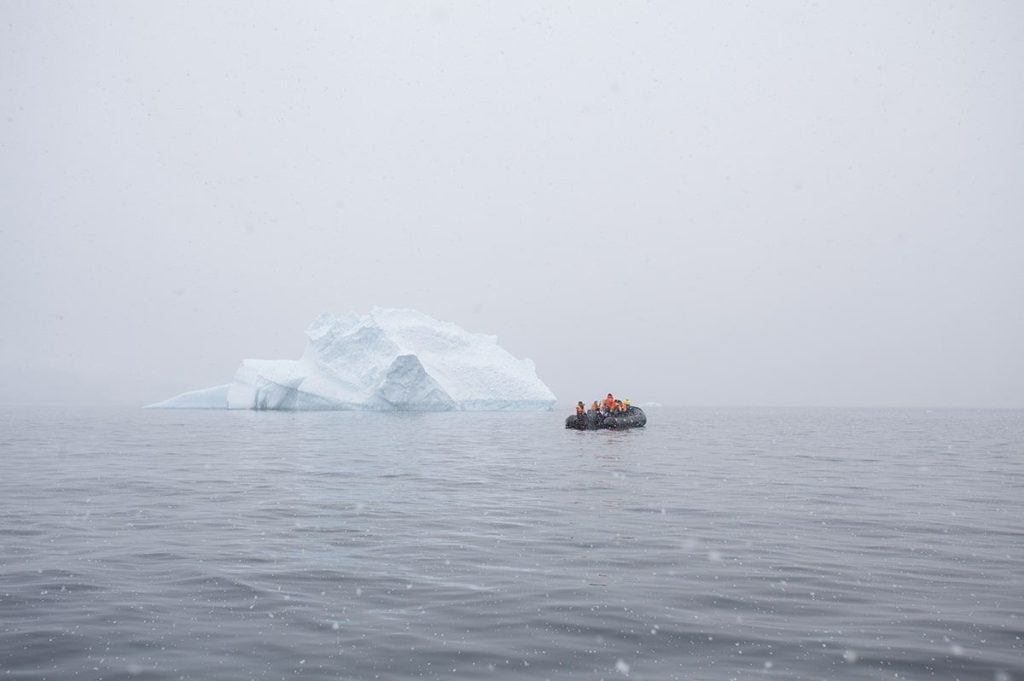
[(385, 360)]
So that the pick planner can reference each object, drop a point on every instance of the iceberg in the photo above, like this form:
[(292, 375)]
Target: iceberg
[(387, 360)]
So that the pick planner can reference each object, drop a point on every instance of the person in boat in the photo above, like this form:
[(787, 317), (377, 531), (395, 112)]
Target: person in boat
[(625, 406), (595, 406), (619, 409), (609, 403), (580, 411)]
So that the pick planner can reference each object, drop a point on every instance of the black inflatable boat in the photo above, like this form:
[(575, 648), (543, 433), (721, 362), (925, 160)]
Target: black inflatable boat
[(595, 420)]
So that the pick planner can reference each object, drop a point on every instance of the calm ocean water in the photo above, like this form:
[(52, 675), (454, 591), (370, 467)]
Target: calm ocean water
[(714, 544)]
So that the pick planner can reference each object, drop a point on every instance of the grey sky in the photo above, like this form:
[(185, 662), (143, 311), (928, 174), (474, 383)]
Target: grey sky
[(693, 203)]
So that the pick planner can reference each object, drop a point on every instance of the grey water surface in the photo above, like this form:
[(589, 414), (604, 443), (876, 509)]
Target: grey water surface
[(713, 544)]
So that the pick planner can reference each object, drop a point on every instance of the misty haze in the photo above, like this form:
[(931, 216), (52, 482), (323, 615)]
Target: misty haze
[(515, 340)]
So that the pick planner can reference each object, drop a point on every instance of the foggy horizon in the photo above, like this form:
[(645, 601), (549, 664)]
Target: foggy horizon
[(697, 205)]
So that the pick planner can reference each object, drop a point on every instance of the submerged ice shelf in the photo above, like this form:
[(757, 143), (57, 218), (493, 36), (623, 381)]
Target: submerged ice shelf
[(387, 360)]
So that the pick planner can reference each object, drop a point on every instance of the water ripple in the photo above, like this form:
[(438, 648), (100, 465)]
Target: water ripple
[(715, 544)]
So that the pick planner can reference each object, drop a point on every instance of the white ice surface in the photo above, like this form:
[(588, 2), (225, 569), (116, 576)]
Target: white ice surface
[(207, 398), (386, 360)]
